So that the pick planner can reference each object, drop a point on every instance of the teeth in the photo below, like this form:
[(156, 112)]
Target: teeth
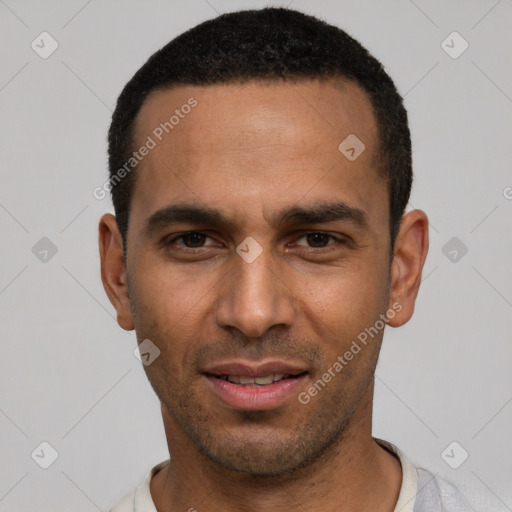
[(246, 380), (258, 381), (264, 381)]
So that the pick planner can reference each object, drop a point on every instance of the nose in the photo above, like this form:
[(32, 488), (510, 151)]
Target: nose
[(254, 297)]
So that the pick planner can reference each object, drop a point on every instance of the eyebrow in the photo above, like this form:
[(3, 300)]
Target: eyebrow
[(322, 213), (296, 215)]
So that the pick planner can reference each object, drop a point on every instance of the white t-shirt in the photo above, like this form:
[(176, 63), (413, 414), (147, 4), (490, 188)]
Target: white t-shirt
[(421, 491)]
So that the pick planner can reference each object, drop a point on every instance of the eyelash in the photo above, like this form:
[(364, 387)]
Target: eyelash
[(180, 236)]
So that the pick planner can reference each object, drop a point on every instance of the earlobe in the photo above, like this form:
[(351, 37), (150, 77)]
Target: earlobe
[(411, 247), (113, 270)]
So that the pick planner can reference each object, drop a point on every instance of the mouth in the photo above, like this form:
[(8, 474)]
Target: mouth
[(255, 387), (262, 381)]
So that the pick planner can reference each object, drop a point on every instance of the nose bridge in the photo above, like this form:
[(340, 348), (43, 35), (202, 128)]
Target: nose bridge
[(254, 297)]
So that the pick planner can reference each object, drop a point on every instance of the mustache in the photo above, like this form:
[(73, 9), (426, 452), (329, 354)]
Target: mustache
[(255, 349)]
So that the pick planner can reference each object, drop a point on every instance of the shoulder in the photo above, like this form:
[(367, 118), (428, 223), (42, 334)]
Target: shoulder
[(423, 491), (127, 504), (436, 493), (140, 500)]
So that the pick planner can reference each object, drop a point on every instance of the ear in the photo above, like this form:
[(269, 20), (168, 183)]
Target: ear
[(113, 270), (411, 247)]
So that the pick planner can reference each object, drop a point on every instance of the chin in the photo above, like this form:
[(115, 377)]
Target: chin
[(268, 453), (258, 462)]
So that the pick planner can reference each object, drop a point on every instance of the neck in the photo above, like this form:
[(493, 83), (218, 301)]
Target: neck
[(355, 475)]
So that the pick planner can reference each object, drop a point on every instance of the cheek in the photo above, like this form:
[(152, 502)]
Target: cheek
[(170, 308), (169, 292), (345, 301)]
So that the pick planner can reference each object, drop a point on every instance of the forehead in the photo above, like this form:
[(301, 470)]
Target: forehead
[(275, 111), (278, 139)]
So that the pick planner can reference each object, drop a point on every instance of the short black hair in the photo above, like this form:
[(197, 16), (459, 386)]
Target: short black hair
[(261, 45)]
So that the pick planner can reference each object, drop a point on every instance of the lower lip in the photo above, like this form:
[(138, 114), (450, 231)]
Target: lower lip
[(257, 398)]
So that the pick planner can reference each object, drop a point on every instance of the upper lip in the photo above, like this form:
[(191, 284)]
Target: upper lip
[(254, 370)]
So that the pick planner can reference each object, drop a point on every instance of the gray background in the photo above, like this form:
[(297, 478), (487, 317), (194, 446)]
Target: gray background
[(68, 373)]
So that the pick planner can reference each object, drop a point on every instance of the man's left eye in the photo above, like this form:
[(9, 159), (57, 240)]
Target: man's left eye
[(316, 239)]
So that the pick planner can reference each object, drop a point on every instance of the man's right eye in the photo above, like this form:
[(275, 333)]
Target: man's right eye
[(190, 239)]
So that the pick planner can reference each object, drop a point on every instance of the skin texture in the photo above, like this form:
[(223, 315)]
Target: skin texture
[(250, 151)]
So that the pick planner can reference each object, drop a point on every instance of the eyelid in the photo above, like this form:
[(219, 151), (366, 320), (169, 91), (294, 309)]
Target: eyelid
[(303, 235), (170, 239), (338, 239)]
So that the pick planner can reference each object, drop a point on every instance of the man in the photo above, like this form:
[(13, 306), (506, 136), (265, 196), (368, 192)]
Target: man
[(260, 166)]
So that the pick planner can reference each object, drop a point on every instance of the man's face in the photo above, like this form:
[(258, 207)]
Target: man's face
[(262, 160)]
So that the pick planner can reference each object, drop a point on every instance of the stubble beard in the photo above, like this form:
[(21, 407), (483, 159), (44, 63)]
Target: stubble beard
[(266, 451)]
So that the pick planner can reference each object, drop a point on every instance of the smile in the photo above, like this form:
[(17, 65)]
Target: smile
[(260, 393), (253, 382)]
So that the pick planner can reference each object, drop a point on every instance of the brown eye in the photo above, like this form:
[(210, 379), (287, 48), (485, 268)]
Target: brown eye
[(190, 240), (193, 239), (316, 239)]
